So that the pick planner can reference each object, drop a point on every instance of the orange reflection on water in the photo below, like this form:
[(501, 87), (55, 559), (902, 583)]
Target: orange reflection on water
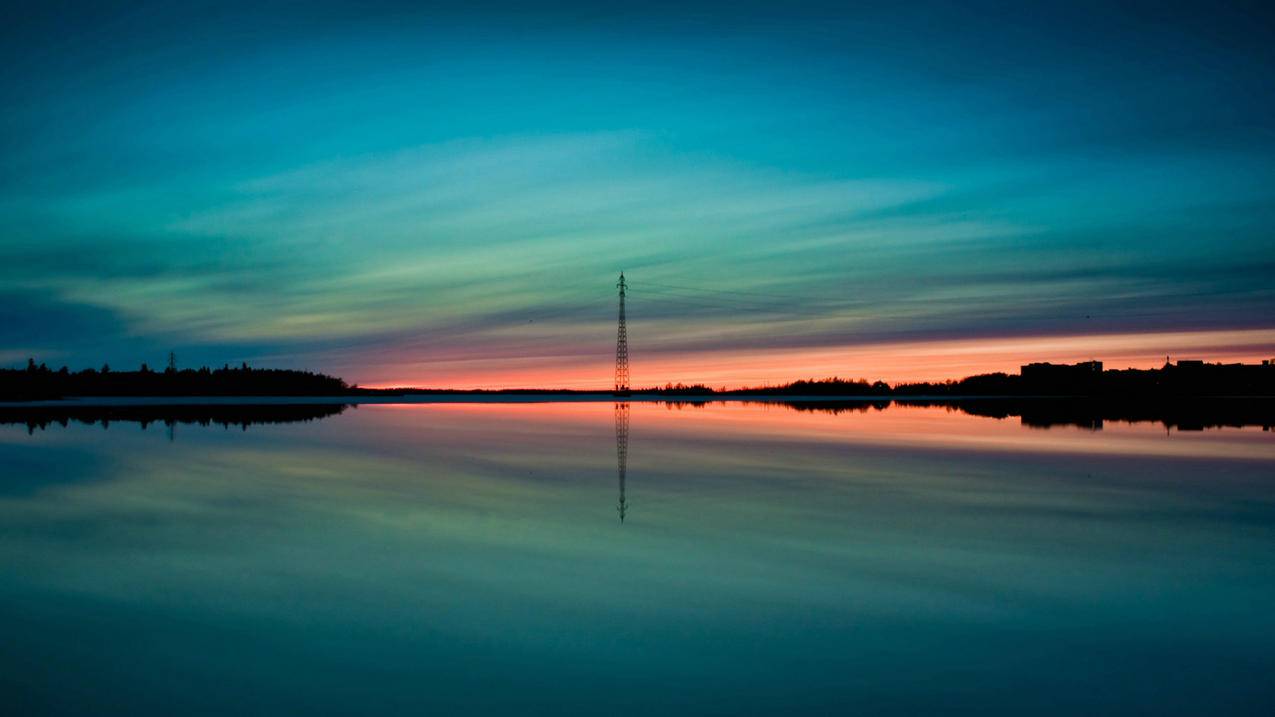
[(899, 425)]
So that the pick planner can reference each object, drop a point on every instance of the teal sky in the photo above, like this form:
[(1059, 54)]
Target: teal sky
[(444, 196)]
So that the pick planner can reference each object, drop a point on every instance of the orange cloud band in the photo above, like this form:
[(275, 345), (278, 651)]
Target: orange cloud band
[(891, 362)]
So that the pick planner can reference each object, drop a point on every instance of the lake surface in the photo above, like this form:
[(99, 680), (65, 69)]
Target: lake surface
[(470, 558)]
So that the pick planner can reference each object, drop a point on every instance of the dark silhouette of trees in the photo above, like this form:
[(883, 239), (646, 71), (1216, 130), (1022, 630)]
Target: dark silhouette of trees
[(1184, 379), (38, 382), (1180, 380)]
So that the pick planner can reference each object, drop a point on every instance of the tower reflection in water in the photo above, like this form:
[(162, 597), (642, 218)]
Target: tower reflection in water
[(621, 450)]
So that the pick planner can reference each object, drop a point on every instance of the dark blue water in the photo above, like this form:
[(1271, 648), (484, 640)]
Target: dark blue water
[(471, 559)]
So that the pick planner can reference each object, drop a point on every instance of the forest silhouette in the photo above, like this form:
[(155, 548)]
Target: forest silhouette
[(39, 382), (1183, 379), (1188, 395)]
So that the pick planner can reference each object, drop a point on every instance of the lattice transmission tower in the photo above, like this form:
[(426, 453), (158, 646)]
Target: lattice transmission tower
[(622, 349)]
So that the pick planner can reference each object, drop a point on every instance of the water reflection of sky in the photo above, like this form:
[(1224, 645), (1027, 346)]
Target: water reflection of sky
[(454, 557)]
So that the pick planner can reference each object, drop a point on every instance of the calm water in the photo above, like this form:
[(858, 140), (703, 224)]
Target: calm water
[(470, 558)]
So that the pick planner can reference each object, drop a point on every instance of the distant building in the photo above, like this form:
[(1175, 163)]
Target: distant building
[(1061, 379), (1190, 377), (1054, 371)]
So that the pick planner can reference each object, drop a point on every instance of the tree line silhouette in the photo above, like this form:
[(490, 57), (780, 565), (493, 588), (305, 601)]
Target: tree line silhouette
[(1184, 379), (39, 382)]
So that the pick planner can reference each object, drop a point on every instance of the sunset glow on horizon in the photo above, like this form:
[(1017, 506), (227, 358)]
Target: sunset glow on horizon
[(892, 363)]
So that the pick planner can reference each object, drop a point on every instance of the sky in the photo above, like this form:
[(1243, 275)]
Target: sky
[(434, 195)]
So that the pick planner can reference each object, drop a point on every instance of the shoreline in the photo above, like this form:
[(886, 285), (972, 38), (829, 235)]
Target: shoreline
[(580, 397)]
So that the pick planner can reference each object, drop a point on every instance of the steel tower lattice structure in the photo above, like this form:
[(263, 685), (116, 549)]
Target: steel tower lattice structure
[(622, 349)]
